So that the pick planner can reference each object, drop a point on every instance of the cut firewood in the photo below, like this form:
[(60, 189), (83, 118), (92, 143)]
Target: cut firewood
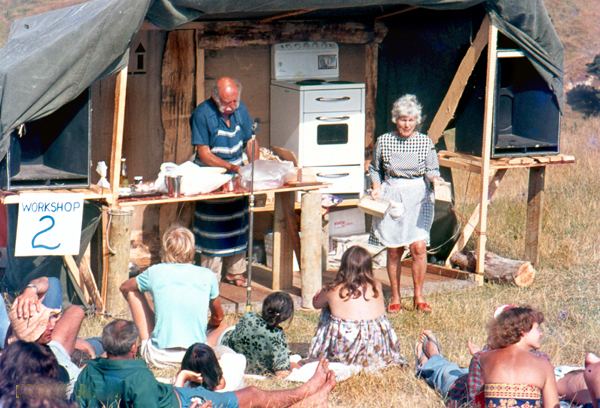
[(497, 268)]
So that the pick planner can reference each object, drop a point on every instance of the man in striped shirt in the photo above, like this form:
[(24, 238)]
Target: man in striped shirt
[(221, 132)]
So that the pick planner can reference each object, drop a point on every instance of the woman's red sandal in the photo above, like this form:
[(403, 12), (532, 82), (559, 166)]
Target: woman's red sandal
[(423, 307), (394, 308)]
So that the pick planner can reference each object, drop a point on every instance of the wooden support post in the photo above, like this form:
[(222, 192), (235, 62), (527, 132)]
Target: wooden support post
[(73, 273), (325, 243), (372, 55), (118, 266), (468, 229), (117, 133), (282, 246), (535, 206), (486, 149), (291, 220), (177, 104), (311, 247), (448, 106), (105, 254)]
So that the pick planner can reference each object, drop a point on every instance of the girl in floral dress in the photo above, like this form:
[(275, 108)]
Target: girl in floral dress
[(353, 328), (260, 337)]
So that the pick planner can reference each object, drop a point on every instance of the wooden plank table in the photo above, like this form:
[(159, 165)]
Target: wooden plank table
[(286, 238)]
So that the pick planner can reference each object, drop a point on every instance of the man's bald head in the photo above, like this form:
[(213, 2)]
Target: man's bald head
[(227, 94)]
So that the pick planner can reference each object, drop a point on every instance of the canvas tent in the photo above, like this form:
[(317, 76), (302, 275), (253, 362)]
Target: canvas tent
[(51, 58)]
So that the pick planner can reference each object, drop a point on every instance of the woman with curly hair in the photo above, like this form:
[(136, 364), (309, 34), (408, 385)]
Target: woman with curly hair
[(354, 328), (403, 170), (513, 376)]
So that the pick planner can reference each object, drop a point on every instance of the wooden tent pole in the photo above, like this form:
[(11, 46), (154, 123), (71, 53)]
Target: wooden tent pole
[(311, 225), (535, 207), (119, 246), (448, 106), (486, 149), (117, 133)]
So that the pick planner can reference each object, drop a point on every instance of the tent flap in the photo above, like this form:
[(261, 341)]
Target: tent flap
[(51, 58)]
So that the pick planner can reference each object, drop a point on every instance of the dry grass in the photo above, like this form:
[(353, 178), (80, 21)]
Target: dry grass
[(565, 289)]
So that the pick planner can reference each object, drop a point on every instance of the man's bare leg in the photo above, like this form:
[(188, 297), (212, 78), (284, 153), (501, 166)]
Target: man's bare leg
[(254, 397), (592, 377), (320, 398), (572, 388)]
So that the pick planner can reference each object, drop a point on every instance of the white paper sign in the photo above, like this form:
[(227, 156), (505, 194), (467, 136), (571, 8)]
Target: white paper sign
[(49, 224)]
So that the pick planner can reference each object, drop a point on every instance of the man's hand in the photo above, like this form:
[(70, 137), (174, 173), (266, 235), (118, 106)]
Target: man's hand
[(28, 302)]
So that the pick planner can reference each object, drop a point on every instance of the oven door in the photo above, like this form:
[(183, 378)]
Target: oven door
[(332, 138)]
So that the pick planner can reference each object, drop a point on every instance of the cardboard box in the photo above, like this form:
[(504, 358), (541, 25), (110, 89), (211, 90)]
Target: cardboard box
[(346, 222)]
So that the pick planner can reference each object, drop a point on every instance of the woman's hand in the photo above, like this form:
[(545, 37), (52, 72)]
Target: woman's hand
[(436, 179), (376, 193)]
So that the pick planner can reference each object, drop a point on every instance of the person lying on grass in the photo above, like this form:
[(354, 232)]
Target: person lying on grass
[(32, 321), (122, 379), (458, 387)]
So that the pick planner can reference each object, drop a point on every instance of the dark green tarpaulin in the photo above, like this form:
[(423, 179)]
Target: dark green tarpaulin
[(51, 58)]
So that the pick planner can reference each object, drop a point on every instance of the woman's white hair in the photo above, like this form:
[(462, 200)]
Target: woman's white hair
[(407, 105)]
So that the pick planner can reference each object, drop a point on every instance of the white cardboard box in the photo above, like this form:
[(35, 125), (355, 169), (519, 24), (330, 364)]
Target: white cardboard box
[(346, 222)]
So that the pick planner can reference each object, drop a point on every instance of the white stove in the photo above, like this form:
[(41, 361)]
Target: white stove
[(320, 119)]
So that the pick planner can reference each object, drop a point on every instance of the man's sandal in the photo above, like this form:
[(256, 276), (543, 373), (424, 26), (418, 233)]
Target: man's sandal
[(423, 307), (237, 280)]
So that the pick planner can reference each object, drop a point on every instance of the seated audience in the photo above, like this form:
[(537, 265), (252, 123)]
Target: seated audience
[(120, 378), (260, 337), (30, 376), (353, 328), (182, 294)]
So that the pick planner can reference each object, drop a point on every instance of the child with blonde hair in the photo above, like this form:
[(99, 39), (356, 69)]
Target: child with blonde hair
[(182, 294)]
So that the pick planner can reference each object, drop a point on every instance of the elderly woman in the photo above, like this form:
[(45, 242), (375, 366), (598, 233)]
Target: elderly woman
[(404, 166)]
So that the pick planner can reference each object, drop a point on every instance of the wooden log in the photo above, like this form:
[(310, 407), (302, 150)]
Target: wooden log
[(216, 35), (497, 268), (118, 261), (311, 225)]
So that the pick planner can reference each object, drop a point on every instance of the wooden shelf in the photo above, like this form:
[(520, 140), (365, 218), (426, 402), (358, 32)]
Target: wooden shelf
[(91, 193), (474, 163), (164, 199)]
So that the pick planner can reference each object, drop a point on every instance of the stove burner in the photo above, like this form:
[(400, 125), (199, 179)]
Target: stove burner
[(310, 82), (340, 82)]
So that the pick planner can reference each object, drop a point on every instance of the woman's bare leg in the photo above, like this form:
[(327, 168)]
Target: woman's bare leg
[(394, 255), (418, 251)]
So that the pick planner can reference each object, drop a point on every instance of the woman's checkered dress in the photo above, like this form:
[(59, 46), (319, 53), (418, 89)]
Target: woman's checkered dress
[(402, 166)]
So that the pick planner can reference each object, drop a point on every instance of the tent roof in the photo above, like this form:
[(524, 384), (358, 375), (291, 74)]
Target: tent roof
[(51, 58)]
